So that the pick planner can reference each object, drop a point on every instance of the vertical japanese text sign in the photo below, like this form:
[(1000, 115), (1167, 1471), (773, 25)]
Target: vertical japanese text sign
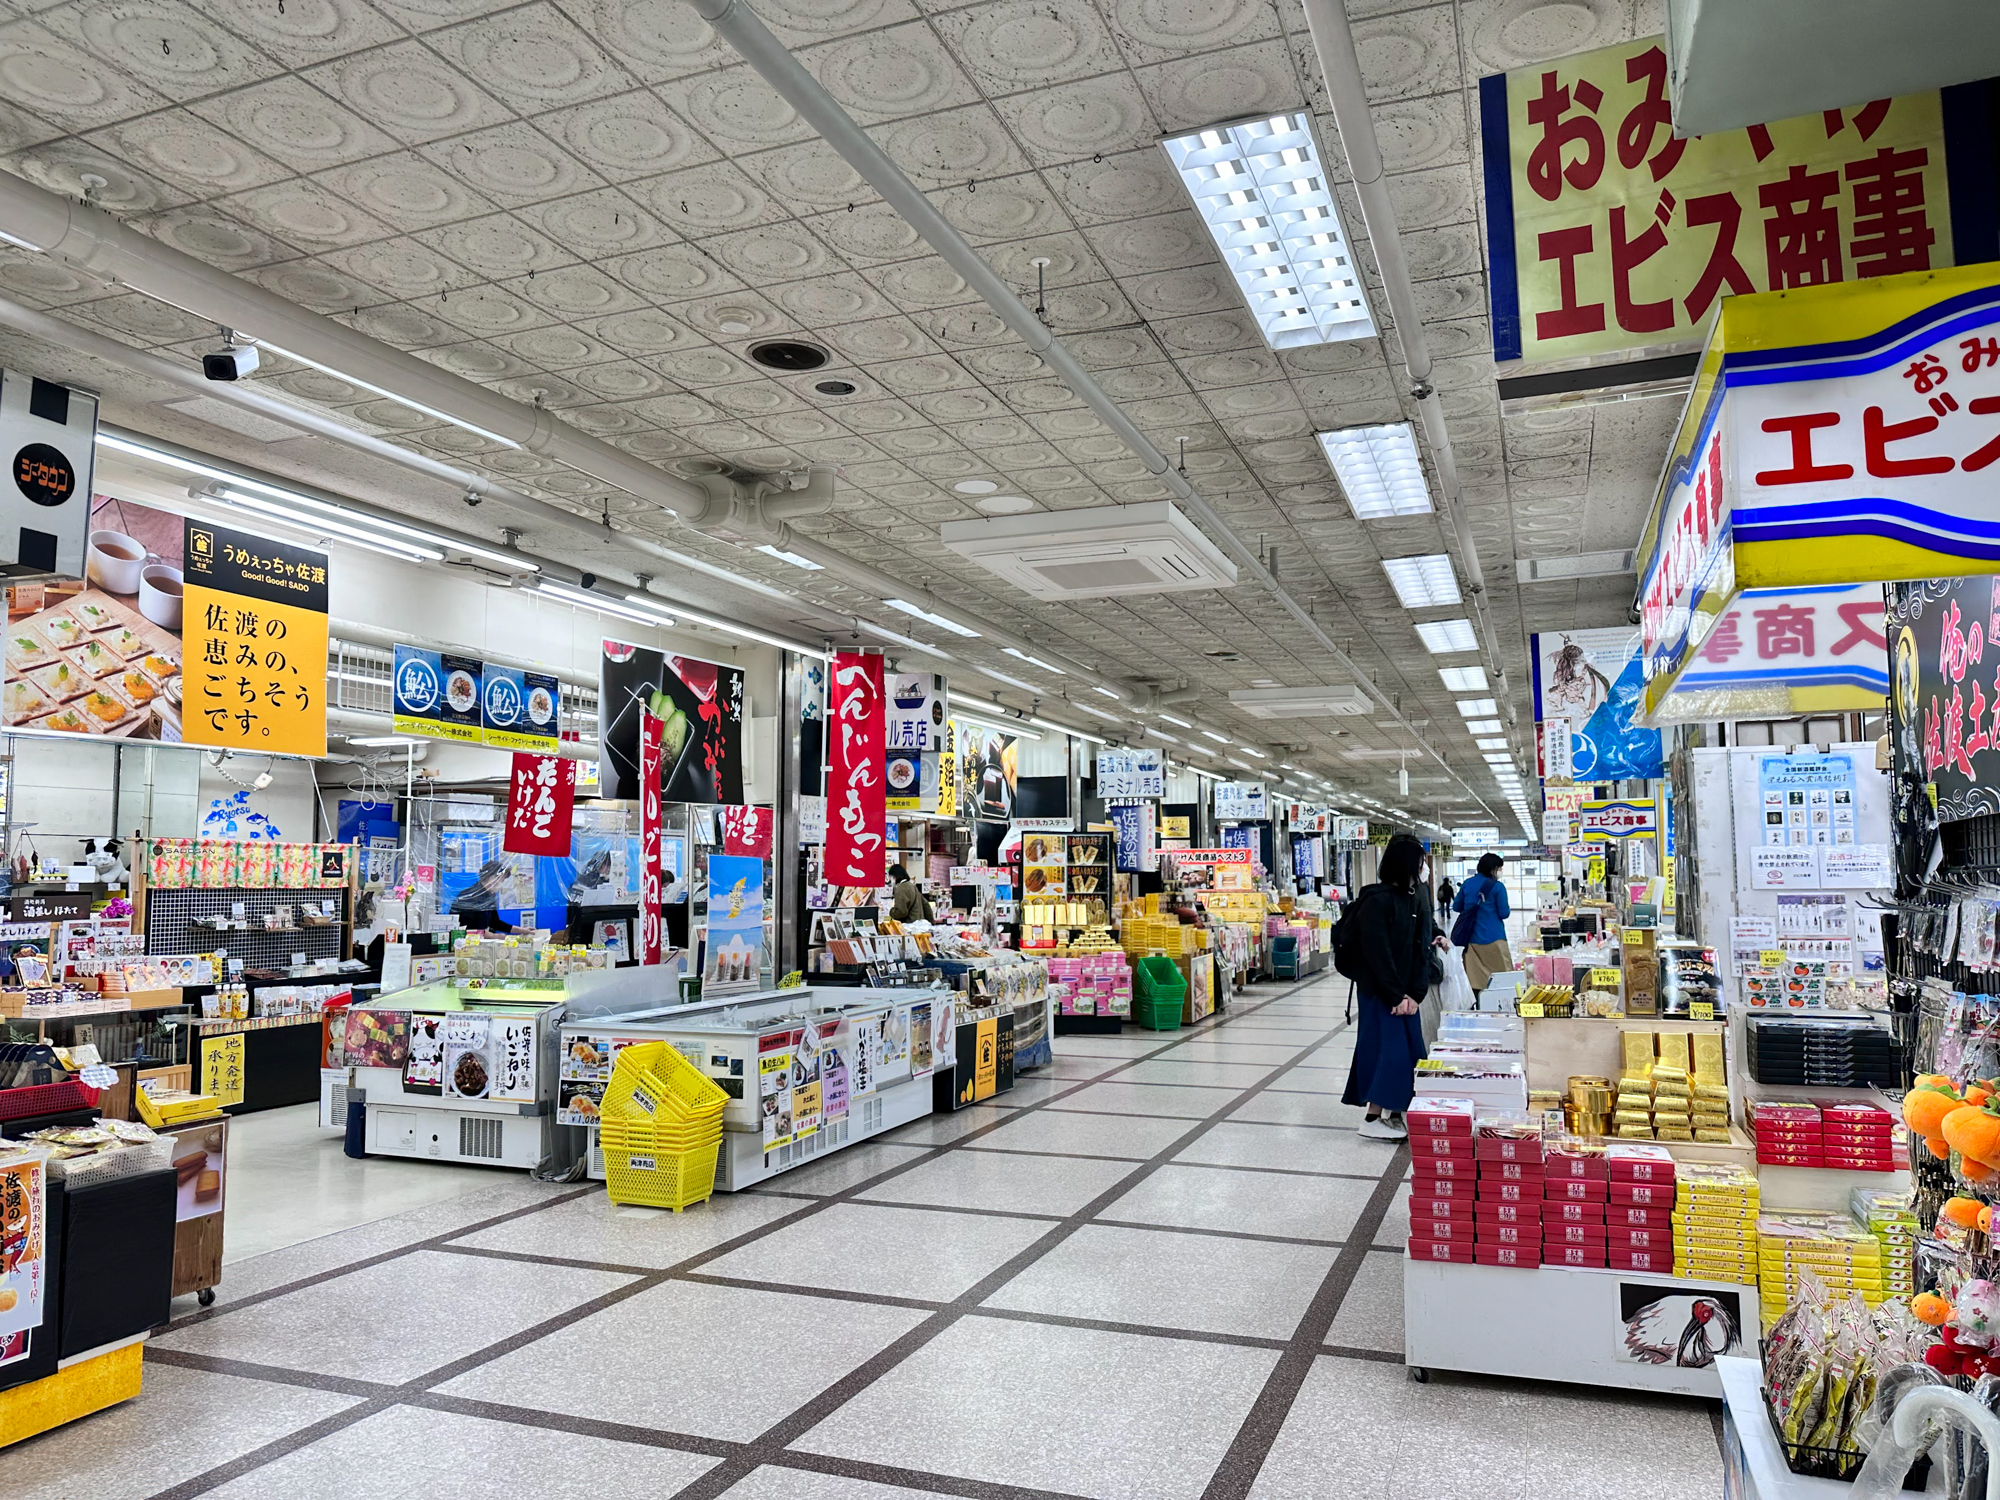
[(255, 643), (650, 941), (1606, 234), (856, 789), (541, 798)]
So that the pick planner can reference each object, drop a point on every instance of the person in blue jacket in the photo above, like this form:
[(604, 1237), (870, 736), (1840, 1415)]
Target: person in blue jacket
[(1481, 929)]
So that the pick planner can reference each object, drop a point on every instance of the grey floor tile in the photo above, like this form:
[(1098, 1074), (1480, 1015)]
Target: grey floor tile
[(1201, 1074), (1082, 1134), (992, 1179), (450, 1306), (181, 1424), (1314, 1208), (1151, 1277), (408, 1453), (1277, 1032), (594, 1228), (1485, 1438), (1076, 1410), (1274, 1108), (1032, 1089), (752, 1358), (1078, 1068), (1312, 1081), (1371, 1314), (774, 1482), (1394, 1232), (940, 1130), (1120, 1098), (1298, 1148), (844, 1169), (1122, 1047), (893, 1252), (1230, 1052)]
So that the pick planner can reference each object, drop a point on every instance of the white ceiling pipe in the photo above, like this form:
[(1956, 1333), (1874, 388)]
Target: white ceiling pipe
[(1333, 42), (737, 24)]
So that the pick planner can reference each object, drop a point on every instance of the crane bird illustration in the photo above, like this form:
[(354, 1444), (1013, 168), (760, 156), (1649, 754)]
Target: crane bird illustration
[(1684, 1330)]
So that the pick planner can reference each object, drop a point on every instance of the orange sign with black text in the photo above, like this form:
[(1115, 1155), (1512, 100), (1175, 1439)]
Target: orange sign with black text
[(255, 643)]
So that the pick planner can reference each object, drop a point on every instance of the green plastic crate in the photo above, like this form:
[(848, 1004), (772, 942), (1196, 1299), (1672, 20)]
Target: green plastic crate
[(1158, 978)]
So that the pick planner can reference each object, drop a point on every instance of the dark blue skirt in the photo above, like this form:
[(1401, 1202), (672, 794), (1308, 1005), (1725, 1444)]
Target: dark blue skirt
[(1386, 1051)]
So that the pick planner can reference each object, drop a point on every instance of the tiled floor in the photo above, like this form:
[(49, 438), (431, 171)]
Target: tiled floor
[(1167, 1267)]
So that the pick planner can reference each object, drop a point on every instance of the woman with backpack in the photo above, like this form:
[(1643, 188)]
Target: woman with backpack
[(1386, 949), (1481, 928)]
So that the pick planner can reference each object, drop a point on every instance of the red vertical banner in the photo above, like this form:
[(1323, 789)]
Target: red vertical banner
[(747, 831), (541, 799), (856, 817), (649, 839)]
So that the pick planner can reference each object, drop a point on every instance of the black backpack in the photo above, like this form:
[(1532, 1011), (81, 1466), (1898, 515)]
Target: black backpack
[(1346, 960)]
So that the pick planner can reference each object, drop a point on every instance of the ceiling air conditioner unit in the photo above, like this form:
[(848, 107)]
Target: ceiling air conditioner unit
[(1343, 702), (1094, 554)]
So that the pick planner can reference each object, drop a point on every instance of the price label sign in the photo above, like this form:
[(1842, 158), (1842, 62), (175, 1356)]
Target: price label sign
[(1605, 979), (1532, 1009), (1701, 1010), (1771, 958)]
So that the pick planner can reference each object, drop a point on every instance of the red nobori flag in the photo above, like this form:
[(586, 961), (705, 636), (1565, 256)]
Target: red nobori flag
[(540, 797), (856, 818), (747, 831), (649, 839)]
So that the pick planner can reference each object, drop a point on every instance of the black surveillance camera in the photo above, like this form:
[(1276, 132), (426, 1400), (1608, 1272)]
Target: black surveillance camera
[(588, 580), (232, 363)]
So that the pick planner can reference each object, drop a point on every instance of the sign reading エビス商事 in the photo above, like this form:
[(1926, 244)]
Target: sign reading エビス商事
[(1834, 435), (1607, 234)]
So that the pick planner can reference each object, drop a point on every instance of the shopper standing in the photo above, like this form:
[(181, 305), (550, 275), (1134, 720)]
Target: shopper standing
[(1481, 929), (1387, 952), (907, 904), (1446, 890)]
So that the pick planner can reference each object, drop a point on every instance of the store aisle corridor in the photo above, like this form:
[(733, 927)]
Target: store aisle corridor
[(1168, 1267)]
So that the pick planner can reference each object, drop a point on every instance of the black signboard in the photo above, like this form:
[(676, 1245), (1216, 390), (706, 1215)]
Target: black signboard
[(1944, 690)]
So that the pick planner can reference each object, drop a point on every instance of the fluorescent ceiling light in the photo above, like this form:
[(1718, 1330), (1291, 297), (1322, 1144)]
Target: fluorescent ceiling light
[(1160, 735), (1034, 661), (386, 393), (1284, 765), (1268, 202), (588, 600), (1249, 750), (1486, 726), (1243, 763), (1441, 636), (938, 620), (990, 720), (1477, 708), (1462, 679), (1493, 744), (1220, 739), (1108, 692), (377, 740), (1079, 734), (1379, 470), (327, 526), (1194, 749), (1178, 723), (397, 531), (1015, 682), (668, 613), (1499, 759), (791, 557), (1092, 708), (1422, 582)]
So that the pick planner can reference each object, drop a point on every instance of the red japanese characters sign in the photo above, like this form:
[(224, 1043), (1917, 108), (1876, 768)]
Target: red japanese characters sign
[(651, 946), (1607, 234), (747, 831), (856, 817), (540, 797)]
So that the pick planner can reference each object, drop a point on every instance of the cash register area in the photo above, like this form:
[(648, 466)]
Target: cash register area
[(1165, 1266)]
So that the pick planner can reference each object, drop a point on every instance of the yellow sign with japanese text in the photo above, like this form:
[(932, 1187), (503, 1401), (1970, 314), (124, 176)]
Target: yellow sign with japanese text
[(1608, 235), (254, 637), (222, 1067)]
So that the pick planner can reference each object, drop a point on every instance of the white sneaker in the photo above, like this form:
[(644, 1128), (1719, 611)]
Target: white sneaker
[(1383, 1129)]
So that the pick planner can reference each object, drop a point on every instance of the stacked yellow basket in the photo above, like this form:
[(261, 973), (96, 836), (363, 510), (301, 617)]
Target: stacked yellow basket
[(660, 1128)]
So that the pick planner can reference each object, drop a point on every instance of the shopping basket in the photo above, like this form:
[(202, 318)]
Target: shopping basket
[(660, 1128)]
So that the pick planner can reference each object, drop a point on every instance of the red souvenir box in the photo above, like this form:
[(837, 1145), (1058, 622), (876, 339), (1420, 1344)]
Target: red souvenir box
[(1423, 1147), (1586, 1256), (1858, 1161), (1786, 1114), (1428, 1116), (1575, 1168), (1554, 1212), (1575, 1234), (1646, 1194), (1630, 1161), (1807, 1140), (1510, 1171), (1638, 1216), (1658, 1261), (1430, 1206), (1529, 1256), (1576, 1190), (1791, 1158), (1529, 1212), (1493, 1191), (1627, 1237), (1422, 1186), (1507, 1234), (1443, 1166), (1850, 1114), (1459, 1251), (1441, 1229), (1508, 1147)]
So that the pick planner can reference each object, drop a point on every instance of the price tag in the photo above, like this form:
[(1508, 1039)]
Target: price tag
[(298, 960), (1701, 1010), (1532, 1009), (1633, 936), (1771, 958), (236, 908), (1605, 979)]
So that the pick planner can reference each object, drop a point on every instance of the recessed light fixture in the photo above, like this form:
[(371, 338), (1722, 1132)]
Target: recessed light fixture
[(1478, 708), (1463, 679), (1492, 744), (1268, 202), (1501, 759), (1379, 470), (791, 557), (1426, 582), (1034, 661), (1486, 726), (975, 486), (935, 619), (1443, 636), (1004, 505)]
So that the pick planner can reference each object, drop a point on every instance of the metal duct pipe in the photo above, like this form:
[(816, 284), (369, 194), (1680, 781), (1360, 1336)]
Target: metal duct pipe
[(813, 498), (737, 24), (1333, 43)]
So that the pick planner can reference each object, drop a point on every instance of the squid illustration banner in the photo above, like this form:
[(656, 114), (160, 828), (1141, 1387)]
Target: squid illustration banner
[(1589, 687)]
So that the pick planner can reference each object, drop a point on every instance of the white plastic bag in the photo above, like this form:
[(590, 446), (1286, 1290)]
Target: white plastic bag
[(1454, 991)]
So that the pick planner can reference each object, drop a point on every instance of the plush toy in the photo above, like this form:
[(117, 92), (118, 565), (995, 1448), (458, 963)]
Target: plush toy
[(1925, 1108), (1967, 1339), (1973, 1130)]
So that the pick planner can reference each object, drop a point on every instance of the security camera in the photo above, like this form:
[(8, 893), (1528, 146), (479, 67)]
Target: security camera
[(233, 363), (587, 580)]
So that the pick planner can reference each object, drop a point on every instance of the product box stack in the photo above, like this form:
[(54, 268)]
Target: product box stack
[(1507, 1195), (1844, 1256), (1892, 1219), (1715, 1222), (1639, 1211), (1097, 985), (1576, 1189), (1860, 1137), (1444, 1172)]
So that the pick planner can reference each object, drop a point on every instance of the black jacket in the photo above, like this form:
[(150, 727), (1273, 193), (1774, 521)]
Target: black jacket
[(1391, 934)]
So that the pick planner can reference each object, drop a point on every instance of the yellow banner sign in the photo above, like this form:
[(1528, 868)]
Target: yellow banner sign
[(222, 1067), (255, 639), (1607, 234)]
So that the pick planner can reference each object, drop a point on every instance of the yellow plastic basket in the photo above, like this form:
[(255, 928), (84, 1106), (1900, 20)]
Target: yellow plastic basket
[(652, 1081), (654, 1138), (660, 1180)]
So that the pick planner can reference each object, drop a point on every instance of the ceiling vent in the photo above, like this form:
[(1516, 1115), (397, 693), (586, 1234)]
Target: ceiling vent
[(1566, 569), (1344, 702), (790, 355), (1094, 554)]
